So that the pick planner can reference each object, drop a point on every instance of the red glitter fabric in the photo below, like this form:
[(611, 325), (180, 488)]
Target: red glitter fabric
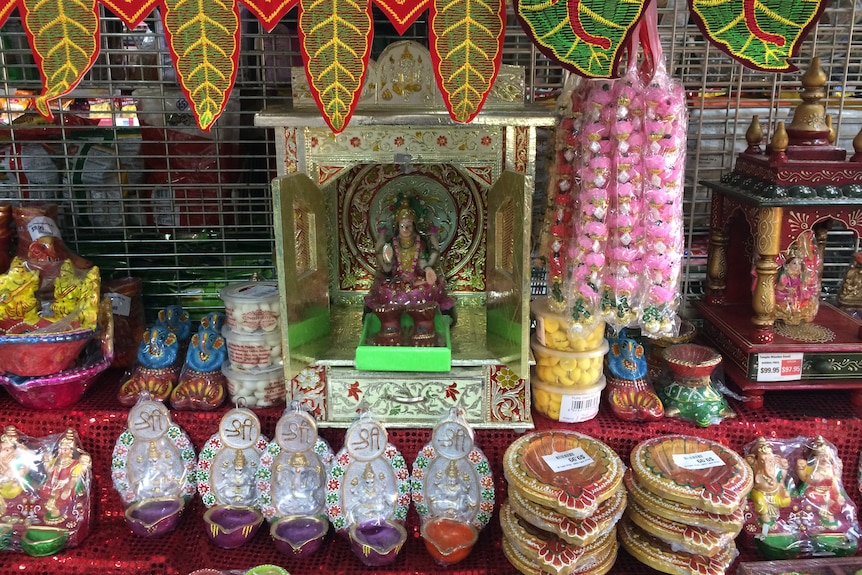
[(112, 548)]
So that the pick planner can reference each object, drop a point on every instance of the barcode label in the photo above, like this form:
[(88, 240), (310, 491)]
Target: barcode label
[(575, 408), (700, 460), (120, 304), (565, 460)]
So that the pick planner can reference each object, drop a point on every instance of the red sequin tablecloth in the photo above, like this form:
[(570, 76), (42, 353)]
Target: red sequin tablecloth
[(111, 547)]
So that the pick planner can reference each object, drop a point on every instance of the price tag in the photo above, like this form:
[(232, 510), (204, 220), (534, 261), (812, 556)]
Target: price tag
[(42, 226), (565, 460), (120, 304), (779, 366), (700, 460)]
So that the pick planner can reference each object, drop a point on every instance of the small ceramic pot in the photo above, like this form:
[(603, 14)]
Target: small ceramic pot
[(154, 517), (230, 527), (41, 541), (299, 535), (447, 540), (377, 542)]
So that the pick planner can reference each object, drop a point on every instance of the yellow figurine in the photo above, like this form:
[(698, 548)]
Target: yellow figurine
[(18, 293), (76, 295)]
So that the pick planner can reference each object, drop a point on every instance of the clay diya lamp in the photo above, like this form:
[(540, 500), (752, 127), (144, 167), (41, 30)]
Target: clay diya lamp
[(154, 517), (230, 526), (448, 541), (41, 540), (299, 535), (377, 542)]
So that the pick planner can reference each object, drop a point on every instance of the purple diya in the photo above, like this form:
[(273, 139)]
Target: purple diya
[(230, 527), (299, 535), (154, 517), (377, 542)]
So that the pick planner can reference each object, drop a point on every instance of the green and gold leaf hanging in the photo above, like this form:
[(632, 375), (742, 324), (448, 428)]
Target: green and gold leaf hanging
[(5, 9), (466, 38), (203, 37), (131, 12), (585, 36), (335, 36), (761, 34), (62, 36)]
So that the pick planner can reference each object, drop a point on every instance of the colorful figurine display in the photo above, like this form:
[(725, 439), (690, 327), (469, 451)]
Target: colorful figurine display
[(157, 370), (202, 385), (452, 489), (227, 473), (800, 506), (368, 493), (686, 389), (291, 491), (153, 469), (630, 394), (45, 492)]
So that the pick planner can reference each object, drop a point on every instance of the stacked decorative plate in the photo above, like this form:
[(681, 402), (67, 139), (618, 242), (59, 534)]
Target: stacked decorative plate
[(565, 498), (687, 497)]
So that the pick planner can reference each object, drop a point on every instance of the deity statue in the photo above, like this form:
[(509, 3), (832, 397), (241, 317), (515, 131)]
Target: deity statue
[(13, 468), (65, 478), (369, 499), (820, 481), (850, 294), (406, 274), (797, 284), (159, 474), (453, 497), (771, 481), (235, 483), (298, 486)]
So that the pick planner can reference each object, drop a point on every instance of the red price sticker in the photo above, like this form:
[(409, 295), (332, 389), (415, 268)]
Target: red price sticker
[(779, 366)]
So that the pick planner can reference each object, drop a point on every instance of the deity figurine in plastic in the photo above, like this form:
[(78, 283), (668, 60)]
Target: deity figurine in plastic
[(630, 394), (66, 479), (406, 279), (157, 370), (797, 283), (772, 483), (453, 490), (14, 468), (820, 481), (291, 491)]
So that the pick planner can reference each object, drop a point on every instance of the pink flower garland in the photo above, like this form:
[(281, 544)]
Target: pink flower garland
[(590, 230), (621, 294), (664, 159)]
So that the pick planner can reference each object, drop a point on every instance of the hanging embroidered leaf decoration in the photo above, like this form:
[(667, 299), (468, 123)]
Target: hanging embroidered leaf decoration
[(62, 35), (585, 36), (131, 12), (203, 36), (761, 34), (335, 36), (402, 13), (466, 38), (269, 12), (6, 9)]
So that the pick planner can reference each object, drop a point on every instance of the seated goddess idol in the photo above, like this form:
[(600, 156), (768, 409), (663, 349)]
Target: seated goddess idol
[(406, 277)]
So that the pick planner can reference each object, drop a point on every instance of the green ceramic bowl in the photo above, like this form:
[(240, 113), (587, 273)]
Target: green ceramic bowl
[(41, 541)]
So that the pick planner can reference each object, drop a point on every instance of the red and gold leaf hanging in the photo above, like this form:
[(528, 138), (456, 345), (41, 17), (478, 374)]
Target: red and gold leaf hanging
[(131, 12), (402, 13), (5, 9), (335, 36), (203, 37), (269, 12), (62, 35), (761, 34), (585, 36), (466, 38)]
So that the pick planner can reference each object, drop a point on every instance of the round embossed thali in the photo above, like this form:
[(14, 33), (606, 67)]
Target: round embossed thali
[(567, 471), (660, 556), (693, 471), (542, 552), (573, 531), (690, 515)]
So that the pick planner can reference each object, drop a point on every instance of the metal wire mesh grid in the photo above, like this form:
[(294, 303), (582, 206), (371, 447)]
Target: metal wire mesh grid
[(144, 193)]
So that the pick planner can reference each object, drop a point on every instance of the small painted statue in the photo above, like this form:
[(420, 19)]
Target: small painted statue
[(820, 482), (630, 394), (67, 480), (202, 384), (176, 319), (157, 370), (18, 302), (772, 482)]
